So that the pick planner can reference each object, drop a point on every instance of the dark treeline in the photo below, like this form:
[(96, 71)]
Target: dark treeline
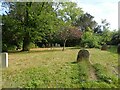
[(48, 23)]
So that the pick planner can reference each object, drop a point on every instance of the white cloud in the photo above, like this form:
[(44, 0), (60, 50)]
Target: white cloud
[(103, 10)]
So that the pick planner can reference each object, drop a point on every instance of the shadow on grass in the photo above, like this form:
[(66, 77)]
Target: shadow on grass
[(74, 62), (33, 51), (74, 48)]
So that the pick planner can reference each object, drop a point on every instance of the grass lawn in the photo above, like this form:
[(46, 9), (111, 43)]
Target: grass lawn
[(54, 68)]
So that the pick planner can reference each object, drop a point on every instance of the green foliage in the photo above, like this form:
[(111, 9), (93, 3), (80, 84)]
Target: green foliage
[(69, 12), (102, 74), (96, 84), (115, 37), (32, 45), (84, 21), (89, 39), (29, 22), (11, 32), (106, 33), (68, 33), (83, 71), (106, 36)]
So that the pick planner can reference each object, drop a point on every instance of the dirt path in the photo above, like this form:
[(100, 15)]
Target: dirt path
[(92, 75)]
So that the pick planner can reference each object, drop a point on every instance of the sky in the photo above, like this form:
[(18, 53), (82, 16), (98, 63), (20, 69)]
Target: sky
[(101, 9)]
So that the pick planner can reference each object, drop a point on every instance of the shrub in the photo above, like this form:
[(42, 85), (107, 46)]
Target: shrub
[(90, 40), (32, 45)]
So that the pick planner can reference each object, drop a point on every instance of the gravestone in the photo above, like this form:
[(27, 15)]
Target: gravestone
[(118, 49), (56, 44), (52, 45), (49, 45), (4, 60), (83, 55), (104, 47)]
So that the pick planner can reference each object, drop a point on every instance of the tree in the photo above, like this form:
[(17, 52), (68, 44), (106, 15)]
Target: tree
[(35, 20), (115, 37), (69, 12), (90, 39), (68, 33), (106, 33), (84, 21), (11, 33)]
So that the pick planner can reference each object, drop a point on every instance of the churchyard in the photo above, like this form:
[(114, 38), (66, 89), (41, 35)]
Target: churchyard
[(54, 68), (57, 45)]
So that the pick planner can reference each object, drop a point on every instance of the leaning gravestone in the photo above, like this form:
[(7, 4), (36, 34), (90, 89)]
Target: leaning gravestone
[(104, 47), (4, 60), (83, 55)]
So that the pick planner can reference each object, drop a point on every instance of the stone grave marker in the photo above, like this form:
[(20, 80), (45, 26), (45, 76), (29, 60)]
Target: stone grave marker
[(52, 45), (104, 47), (4, 60), (83, 55), (56, 44)]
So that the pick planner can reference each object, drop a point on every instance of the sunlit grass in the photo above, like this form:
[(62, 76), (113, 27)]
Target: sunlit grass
[(51, 68)]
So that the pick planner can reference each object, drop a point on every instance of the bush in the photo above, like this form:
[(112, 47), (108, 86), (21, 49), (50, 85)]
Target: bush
[(90, 40), (4, 48), (32, 45)]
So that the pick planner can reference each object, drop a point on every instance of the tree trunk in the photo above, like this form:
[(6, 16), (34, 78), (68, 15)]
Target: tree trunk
[(26, 38), (64, 44), (26, 43)]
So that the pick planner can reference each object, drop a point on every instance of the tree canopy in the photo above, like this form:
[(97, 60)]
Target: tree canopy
[(40, 22)]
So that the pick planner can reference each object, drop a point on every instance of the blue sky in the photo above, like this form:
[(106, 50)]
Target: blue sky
[(101, 9), (2, 10)]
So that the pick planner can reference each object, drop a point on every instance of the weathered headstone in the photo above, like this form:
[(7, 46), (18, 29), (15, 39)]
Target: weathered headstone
[(52, 45), (118, 49), (104, 47), (49, 45), (56, 44), (4, 60), (83, 55)]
